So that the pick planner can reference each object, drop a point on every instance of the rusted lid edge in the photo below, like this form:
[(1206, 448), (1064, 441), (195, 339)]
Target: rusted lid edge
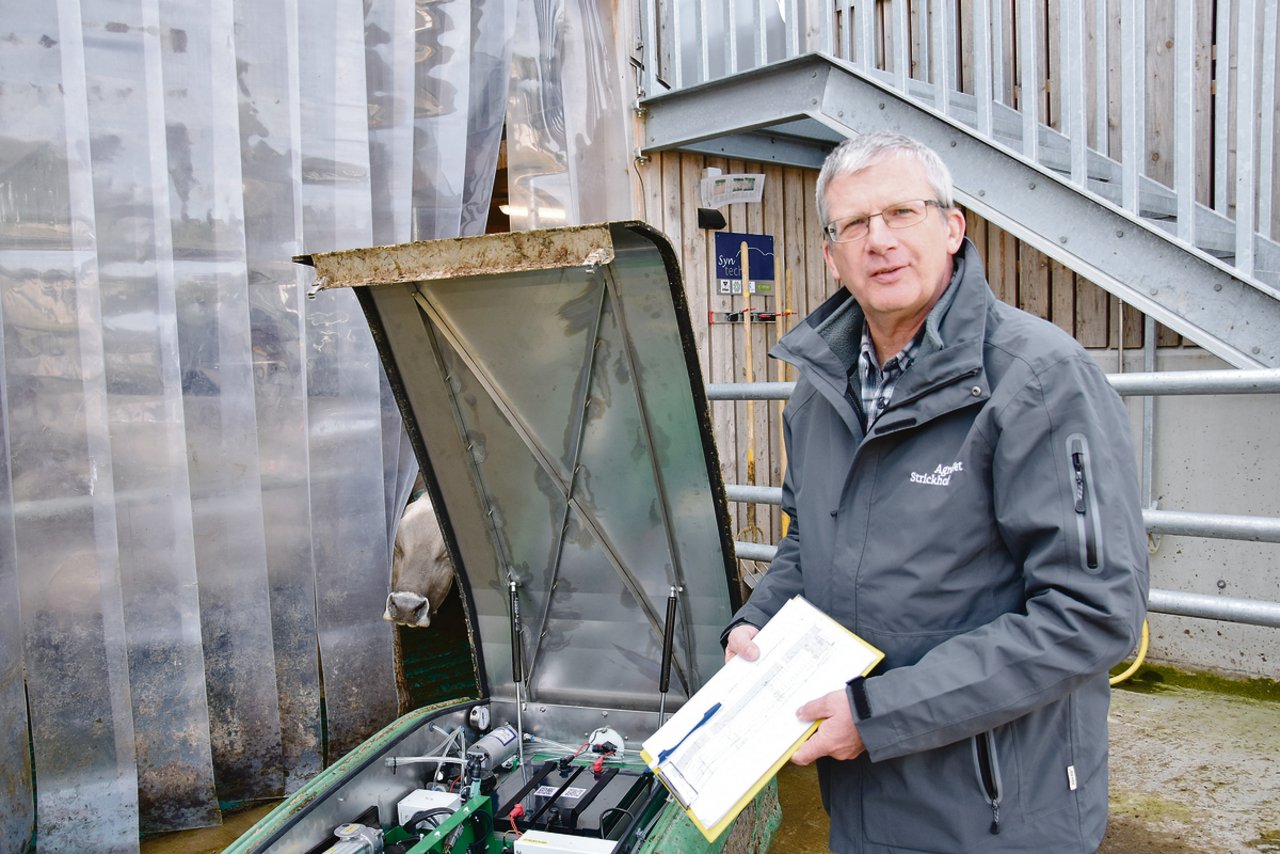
[(490, 254)]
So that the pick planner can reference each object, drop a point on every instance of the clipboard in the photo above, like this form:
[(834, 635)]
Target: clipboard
[(730, 738)]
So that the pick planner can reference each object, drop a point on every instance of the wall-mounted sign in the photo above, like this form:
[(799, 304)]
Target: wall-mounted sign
[(720, 190), (759, 262)]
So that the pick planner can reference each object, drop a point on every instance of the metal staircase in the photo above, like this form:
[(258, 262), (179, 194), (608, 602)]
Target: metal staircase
[(1209, 272)]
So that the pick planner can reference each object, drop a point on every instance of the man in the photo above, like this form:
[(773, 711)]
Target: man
[(963, 496)]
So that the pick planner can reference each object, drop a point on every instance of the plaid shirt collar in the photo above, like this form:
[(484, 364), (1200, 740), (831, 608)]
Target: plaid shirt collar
[(877, 382)]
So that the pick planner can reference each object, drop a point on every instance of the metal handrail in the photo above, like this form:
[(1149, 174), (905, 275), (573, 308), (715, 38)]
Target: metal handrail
[(1223, 526), (1262, 381), (1231, 609), (1257, 529)]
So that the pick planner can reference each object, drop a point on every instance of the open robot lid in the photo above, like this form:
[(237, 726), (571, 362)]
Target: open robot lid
[(551, 389)]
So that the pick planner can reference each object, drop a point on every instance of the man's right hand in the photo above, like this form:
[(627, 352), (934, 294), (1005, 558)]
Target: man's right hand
[(740, 643)]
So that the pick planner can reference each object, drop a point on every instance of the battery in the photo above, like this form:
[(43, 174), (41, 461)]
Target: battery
[(542, 842), (425, 799)]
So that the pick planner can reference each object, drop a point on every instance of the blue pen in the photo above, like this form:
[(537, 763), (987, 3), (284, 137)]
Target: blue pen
[(662, 757)]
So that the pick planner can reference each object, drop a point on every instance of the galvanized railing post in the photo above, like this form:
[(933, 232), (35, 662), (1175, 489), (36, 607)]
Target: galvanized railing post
[(1245, 144), (1029, 80), (1184, 139)]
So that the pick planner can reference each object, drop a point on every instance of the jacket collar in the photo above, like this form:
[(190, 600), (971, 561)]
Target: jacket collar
[(825, 344)]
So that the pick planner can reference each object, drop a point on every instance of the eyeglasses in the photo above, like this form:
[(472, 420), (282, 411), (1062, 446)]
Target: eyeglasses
[(901, 215)]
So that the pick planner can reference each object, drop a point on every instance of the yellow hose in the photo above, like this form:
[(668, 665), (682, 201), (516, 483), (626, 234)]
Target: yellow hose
[(1137, 662)]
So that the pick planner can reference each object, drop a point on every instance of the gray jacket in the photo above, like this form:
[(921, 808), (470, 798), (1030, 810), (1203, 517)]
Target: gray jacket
[(987, 536)]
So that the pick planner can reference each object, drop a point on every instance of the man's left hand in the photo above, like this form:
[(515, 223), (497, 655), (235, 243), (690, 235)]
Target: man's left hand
[(836, 737)]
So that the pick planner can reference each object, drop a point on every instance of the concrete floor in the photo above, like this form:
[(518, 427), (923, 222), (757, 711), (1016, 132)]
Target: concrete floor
[(1192, 771)]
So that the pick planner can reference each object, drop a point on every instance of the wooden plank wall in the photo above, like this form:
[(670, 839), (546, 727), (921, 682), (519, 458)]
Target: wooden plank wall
[(669, 186)]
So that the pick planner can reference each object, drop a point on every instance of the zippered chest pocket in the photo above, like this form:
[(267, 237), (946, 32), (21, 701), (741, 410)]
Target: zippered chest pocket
[(1088, 523)]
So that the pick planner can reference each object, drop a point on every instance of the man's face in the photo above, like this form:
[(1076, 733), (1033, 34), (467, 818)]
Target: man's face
[(895, 274)]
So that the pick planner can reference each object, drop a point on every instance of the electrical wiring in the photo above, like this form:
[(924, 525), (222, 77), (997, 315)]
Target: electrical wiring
[(516, 812)]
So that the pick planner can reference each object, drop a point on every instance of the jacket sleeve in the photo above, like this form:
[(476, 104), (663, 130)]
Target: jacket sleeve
[(1065, 492)]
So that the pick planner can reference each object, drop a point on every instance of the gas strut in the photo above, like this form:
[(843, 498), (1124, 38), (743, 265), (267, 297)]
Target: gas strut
[(517, 666), (668, 638)]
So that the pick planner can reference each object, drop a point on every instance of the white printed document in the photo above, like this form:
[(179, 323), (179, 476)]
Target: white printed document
[(733, 735)]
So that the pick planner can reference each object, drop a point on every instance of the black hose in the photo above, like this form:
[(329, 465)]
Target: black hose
[(422, 815)]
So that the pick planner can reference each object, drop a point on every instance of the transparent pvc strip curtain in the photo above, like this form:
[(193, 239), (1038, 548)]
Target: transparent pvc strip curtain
[(348, 515), (207, 224), (203, 468), (15, 757), (567, 156), (154, 527), (266, 51), (72, 625), (389, 80)]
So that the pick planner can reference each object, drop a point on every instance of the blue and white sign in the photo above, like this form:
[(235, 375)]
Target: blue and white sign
[(760, 262)]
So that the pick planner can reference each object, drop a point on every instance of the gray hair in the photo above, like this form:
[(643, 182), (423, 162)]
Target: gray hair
[(855, 154)]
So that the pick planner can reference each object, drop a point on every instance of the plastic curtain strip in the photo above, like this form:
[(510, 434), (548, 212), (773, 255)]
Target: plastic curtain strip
[(493, 28), (266, 51), (208, 227), (17, 814), (389, 80), (566, 118), (144, 407), (443, 85), (537, 153), (348, 515), (73, 637), (597, 109)]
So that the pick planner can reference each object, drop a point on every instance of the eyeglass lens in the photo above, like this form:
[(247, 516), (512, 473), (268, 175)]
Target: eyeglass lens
[(900, 215)]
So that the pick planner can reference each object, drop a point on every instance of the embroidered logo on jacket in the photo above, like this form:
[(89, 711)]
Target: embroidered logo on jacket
[(940, 476)]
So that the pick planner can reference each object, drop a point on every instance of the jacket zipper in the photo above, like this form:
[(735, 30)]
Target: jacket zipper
[(1086, 523), (989, 775)]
